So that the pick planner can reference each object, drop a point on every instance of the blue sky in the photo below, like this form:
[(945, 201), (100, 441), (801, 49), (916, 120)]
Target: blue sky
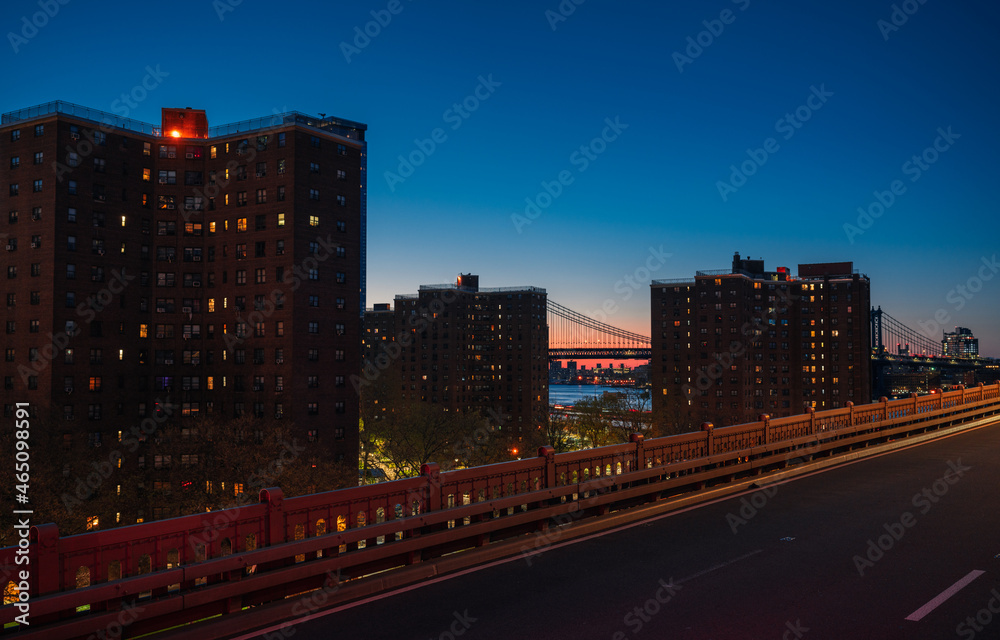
[(549, 82)]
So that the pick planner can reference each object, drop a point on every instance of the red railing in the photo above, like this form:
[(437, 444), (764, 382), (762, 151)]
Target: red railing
[(189, 568)]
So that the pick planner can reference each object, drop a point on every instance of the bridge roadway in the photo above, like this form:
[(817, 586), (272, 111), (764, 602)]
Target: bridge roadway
[(794, 566)]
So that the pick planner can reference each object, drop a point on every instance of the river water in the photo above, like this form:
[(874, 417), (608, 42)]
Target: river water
[(572, 393)]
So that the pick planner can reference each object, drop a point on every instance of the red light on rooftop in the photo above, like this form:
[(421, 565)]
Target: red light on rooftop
[(184, 123)]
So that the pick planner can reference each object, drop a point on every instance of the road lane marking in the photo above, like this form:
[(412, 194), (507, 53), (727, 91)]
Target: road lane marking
[(719, 566), (917, 615)]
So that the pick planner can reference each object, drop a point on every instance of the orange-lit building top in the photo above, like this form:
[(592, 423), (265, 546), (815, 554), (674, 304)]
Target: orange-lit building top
[(184, 123)]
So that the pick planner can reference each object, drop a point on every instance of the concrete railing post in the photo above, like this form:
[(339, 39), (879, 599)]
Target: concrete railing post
[(850, 412), (640, 450), (549, 454), (432, 473), (812, 420), (45, 575), (274, 498), (766, 419), (708, 428)]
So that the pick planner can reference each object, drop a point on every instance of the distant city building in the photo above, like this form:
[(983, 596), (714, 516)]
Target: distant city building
[(467, 348), (730, 345), (960, 344), (220, 268)]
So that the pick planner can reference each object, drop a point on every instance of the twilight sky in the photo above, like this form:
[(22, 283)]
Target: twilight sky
[(662, 138)]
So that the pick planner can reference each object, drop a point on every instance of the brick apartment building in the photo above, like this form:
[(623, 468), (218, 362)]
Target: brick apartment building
[(466, 348), (730, 345), (221, 268)]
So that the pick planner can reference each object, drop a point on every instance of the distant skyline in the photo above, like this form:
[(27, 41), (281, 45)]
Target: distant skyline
[(537, 146)]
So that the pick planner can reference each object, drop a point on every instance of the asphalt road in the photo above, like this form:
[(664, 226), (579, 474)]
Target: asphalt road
[(851, 552)]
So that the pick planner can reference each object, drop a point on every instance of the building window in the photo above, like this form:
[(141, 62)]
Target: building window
[(313, 327), (313, 193), (39, 130), (313, 221)]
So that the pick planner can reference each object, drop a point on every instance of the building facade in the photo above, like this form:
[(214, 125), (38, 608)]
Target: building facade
[(219, 270), (730, 345), (960, 344), (467, 348)]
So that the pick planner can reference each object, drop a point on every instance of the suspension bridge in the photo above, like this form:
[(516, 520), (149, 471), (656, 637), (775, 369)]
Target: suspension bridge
[(574, 336)]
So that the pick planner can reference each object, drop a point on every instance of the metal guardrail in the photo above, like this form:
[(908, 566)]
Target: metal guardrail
[(194, 567)]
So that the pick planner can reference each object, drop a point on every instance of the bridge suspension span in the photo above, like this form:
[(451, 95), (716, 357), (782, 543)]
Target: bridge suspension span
[(574, 335), (890, 336)]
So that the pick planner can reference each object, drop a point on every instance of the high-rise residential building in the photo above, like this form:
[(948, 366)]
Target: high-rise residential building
[(466, 348), (960, 344), (730, 345), (219, 268)]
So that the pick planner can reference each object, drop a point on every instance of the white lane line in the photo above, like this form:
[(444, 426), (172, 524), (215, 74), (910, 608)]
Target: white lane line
[(944, 595), (716, 567)]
